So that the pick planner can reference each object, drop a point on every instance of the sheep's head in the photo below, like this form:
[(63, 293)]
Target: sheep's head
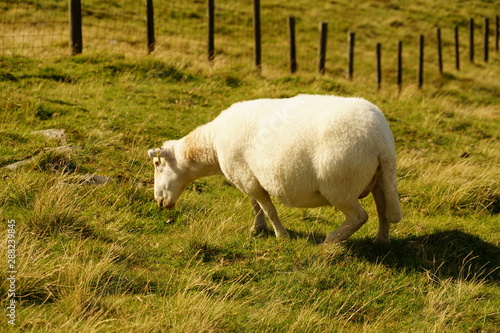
[(170, 180)]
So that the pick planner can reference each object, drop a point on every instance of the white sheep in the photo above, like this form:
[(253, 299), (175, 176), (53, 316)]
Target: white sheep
[(306, 151)]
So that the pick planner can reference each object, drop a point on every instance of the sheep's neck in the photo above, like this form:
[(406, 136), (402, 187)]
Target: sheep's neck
[(200, 154)]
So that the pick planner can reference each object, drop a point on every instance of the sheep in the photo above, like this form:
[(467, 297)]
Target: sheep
[(306, 151)]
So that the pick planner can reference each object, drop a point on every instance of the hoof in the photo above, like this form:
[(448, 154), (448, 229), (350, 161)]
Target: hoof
[(332, 238), (283, 234), (380, 241), (256, 231), (329, 242), (332, 245)]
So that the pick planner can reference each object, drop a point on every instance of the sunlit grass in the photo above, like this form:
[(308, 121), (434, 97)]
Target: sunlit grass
[(106, 258)]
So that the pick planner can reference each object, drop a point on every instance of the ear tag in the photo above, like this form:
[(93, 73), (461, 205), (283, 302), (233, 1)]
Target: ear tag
[(158, 156)]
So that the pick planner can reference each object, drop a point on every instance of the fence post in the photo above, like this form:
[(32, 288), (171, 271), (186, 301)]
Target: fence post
[(293, 50), (257, 34), (471, 40), (421, 63), (75, 27), (440, 51), (400, 66), (497, 27), (150, 18), (379, 66), (486, 38), (457, 49), (211, 29), (350, 56), (323, 34)]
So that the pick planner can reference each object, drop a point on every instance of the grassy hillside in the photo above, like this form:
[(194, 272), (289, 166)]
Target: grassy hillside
[(104, 258)]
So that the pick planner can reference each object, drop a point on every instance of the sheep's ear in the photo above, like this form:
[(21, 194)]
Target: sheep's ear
[(161, 152), (153, 152)]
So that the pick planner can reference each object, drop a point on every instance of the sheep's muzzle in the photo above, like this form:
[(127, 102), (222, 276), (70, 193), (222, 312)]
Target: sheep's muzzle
[(162, 202)]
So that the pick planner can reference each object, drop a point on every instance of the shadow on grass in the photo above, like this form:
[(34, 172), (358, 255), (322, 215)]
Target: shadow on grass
[(445, 254), (313, 237)]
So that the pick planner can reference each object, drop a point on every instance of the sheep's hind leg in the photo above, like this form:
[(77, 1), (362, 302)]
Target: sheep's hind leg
[(356, 216), (384, 225), (264, 201), (259, 224)]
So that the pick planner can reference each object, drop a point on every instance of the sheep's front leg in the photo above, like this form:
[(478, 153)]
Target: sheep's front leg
[(259, 224), (264, 201)]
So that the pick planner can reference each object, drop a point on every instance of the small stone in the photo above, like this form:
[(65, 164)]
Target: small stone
[(56, 134), (96, 179), (16, 165)]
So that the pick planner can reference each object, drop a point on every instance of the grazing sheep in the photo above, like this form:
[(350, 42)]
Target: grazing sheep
[(306, 151)]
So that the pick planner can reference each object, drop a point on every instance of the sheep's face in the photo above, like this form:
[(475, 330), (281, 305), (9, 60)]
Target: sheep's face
[(169, 180)]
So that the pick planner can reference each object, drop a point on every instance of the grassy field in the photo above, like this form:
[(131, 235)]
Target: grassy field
[(105, 258)]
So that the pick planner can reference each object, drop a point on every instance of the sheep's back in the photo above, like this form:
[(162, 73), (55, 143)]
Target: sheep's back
[(298, 145)]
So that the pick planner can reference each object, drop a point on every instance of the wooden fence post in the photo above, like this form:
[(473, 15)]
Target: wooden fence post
[(440, 51), (421, 63), (257, 34), (457, 49), (379, 66), (471, 40), (75, 27), (486, 38), (293, 49), (150, 19), (350, 56), (211, 29), (400, 66), (497, 27), (323, 34)]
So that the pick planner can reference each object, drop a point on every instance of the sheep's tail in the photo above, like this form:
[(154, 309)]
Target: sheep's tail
[(388, 185)]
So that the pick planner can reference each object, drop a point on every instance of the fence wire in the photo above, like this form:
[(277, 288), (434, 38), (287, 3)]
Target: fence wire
[(40, 28)]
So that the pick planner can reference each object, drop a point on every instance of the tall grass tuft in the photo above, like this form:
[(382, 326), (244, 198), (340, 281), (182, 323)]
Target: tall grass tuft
[(459, 188), (55, 161), (56, 209)]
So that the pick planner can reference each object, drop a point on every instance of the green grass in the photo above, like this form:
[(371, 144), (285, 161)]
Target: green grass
[(105, 258)]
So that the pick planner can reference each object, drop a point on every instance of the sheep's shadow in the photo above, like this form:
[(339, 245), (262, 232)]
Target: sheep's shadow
[(445, 254), (313, 237)]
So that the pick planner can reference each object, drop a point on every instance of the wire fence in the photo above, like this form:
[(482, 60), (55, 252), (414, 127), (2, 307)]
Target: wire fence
[(40, 28), (31, 28)]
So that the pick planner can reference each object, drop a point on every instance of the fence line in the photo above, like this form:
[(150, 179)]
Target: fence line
[(225, 25)]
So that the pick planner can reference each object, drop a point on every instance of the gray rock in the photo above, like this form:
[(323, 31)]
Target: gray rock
[(89, 179), (18, 164), (55, 134)]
